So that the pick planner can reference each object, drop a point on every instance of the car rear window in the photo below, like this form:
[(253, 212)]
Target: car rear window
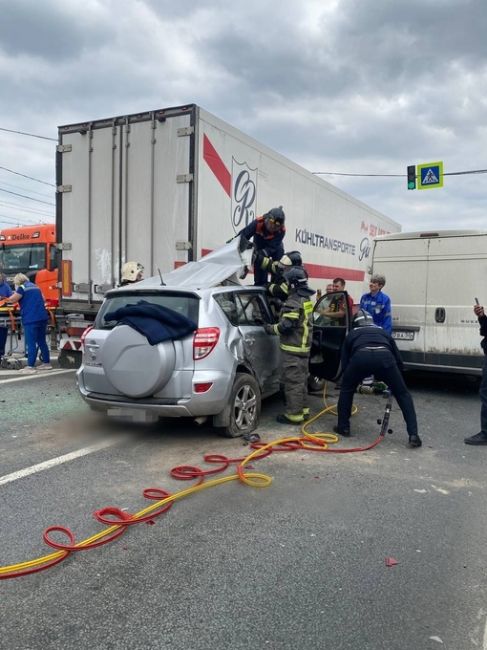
[(186, 304)]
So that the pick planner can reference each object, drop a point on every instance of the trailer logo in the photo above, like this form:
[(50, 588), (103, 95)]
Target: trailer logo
[(244, 192), (364, 247), (240, 185)]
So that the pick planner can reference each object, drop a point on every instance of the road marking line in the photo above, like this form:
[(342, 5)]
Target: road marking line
[(42, 373), (8, 478), (484, 644)]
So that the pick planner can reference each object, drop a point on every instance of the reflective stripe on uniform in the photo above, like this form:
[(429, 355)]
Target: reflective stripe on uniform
[(294, 418), (295, 348), (305, 347), (308, 310)]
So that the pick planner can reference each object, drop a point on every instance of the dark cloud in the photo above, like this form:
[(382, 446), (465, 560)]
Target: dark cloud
[(49, 30), (348, 86)]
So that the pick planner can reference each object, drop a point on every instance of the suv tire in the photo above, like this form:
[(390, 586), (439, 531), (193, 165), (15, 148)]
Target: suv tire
[(244, 406)]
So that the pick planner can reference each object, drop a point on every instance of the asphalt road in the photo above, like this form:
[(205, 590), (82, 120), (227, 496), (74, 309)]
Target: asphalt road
[(300, 564)]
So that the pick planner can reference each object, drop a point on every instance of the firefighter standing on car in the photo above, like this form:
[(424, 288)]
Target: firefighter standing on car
[(267, 233), (294, 329)]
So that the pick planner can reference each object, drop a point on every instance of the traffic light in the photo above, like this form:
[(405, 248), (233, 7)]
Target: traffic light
[(411, 177)]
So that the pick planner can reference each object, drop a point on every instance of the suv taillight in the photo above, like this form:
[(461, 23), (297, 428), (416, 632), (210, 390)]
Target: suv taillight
[(84, 335), (204, 341)]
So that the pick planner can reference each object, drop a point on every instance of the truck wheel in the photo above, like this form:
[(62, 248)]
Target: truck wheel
[(69, 359), (244, 406)]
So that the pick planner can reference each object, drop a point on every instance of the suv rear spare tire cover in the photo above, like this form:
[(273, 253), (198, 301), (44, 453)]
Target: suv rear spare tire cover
[(133, 366)]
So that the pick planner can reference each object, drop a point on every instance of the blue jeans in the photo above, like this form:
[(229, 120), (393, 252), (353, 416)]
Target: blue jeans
[(35, 340), (3, 340)]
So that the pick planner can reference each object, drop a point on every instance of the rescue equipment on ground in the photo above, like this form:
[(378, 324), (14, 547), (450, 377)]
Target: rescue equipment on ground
[(118, 521)]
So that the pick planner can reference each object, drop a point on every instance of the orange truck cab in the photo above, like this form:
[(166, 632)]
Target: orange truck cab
[(32, 250)]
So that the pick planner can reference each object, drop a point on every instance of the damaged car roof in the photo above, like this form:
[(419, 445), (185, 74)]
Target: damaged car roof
[(228, 262)]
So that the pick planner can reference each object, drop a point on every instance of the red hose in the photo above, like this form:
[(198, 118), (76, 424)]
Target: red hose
[(113, 516)]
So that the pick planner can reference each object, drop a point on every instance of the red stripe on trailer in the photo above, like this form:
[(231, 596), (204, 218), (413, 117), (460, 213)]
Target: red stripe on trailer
[(323, 272), (217, 166), (331, 272)]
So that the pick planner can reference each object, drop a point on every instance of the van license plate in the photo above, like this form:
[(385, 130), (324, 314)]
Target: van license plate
[(403, 336)]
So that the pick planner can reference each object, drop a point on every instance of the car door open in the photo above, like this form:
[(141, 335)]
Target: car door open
[(332, 317)]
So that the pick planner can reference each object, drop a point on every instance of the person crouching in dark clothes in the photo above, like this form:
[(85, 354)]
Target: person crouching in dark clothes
[(267, 233), (294, 329), (367, 350)]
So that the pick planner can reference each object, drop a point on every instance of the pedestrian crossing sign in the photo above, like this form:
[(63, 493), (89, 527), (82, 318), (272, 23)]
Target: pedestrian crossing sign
[(430, 175)]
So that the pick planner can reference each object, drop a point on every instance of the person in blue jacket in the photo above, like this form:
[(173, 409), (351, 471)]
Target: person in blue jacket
[(378, 304), (5, 292), (267, 233), (34, 316)]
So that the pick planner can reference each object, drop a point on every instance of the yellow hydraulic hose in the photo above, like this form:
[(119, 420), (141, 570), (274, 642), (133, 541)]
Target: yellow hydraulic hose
[(252, 479)]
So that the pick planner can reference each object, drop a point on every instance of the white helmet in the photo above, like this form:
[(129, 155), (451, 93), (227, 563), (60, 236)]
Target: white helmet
[(132, 272), (293, 258)]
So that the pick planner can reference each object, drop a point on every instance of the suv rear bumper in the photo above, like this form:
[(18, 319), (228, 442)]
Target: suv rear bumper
[(210, 402)]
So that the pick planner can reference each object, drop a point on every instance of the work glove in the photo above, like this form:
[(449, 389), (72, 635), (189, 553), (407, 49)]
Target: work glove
[(269, 328)]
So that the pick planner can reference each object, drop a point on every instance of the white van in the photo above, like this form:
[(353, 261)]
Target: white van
[(433, 279)]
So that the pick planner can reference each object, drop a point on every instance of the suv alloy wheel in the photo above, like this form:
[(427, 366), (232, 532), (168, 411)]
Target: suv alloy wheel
[(244, 405)]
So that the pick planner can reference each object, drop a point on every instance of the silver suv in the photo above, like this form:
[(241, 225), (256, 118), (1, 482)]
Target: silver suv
[(221, 370)]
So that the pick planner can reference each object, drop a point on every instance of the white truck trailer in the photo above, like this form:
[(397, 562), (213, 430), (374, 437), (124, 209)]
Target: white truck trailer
[(433, 279), (166, 186)]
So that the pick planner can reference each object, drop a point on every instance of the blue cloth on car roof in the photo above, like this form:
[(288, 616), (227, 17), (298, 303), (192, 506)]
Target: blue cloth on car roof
[(156, 322)]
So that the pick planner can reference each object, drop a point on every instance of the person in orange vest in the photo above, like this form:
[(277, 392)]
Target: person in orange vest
[(267, 232)]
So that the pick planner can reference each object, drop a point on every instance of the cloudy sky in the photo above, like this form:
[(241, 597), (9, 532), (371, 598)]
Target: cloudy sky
[(349, 86)]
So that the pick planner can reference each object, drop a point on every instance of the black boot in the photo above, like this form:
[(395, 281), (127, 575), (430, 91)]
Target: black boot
[(478, 439), (342, 432), (415, 441)]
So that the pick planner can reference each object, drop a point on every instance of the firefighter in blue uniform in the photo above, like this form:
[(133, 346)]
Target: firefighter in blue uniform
[(267, 233)]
